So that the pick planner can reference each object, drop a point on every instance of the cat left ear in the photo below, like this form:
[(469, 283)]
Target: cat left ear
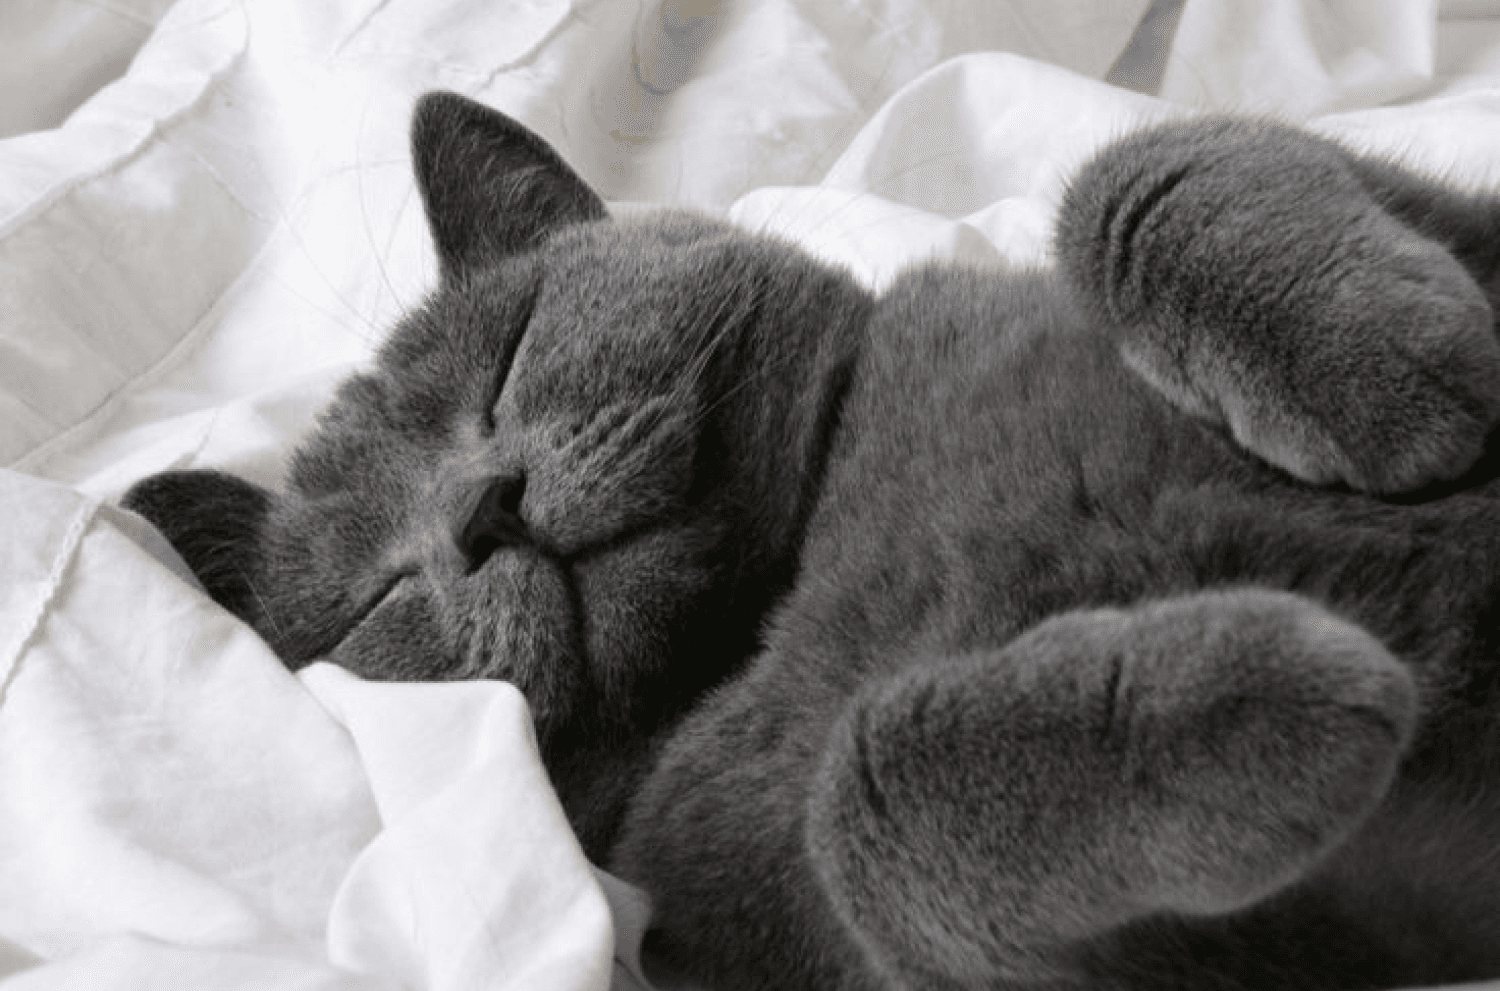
[(491, 187)]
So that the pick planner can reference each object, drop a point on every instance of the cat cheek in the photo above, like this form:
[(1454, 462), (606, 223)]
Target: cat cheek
[(634, 597), (631, 468), (402, 640), (515, 621)]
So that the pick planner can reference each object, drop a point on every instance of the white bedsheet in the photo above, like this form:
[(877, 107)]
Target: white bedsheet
[(193, 257)]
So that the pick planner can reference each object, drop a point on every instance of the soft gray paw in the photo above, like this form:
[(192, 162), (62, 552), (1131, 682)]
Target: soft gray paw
[(1398, 381), (980, 817)]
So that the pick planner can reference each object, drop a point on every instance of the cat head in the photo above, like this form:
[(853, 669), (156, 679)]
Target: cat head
[(583, 465)]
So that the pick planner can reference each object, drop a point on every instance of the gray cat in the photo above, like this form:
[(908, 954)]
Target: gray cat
[(1129, 625)]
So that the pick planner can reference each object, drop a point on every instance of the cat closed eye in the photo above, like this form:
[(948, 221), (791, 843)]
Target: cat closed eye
[(382, 594)]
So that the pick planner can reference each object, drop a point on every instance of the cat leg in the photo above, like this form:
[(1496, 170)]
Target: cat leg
[(1305, 299), (977, 823)]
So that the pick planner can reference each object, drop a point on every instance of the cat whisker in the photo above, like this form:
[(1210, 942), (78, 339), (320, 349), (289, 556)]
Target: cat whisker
[(377, 254), (373, 332), (697, 365), (767, 369), (265, 607)]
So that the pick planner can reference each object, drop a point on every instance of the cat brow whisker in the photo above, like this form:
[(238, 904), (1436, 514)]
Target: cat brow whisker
[(722, 319), (746, 382), (754, 379), (698, 365)]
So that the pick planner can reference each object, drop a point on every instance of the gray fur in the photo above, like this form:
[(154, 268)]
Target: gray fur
[(1131, 625)]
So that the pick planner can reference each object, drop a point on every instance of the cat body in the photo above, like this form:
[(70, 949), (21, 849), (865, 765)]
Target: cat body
[(999, 465), (1059, 629)]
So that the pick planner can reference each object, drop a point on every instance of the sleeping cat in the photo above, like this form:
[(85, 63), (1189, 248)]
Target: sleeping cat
[(1126, 625)]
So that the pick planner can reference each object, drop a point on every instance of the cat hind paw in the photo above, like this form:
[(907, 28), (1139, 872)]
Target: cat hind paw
[(979, 818)]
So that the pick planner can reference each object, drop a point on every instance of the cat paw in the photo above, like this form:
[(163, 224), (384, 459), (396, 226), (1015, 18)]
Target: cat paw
[(1252, 275), (981, 817), (1394, 384)]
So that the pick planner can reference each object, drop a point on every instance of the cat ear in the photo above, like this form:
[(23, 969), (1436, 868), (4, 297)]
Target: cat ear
[(491, 187), (214, 521)]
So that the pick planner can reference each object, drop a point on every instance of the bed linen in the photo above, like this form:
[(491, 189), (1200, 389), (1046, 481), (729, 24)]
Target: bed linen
[(194, 253)]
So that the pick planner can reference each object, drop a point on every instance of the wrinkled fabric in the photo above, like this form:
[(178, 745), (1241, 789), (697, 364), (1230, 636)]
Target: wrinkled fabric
[(207, 219)]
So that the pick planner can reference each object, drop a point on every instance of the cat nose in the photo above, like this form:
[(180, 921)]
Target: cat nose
[(492, 519)]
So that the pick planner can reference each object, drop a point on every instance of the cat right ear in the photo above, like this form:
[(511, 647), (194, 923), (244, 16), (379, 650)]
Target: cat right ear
[(214, 521), (491, 187)]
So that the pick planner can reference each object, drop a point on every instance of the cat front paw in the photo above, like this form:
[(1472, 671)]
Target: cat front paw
[(1394, 383), (1253, 273), (985, 817)]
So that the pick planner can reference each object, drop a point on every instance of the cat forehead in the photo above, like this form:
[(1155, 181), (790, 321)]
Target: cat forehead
[(644, 253), (598, 311), (599, 307), (660, 261)]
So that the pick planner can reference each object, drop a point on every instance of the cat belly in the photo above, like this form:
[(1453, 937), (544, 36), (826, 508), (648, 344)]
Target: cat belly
[(1423, 878), (1410, 901), (977, 503)]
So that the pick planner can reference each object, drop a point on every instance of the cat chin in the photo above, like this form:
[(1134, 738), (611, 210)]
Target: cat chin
[(514, 619)]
